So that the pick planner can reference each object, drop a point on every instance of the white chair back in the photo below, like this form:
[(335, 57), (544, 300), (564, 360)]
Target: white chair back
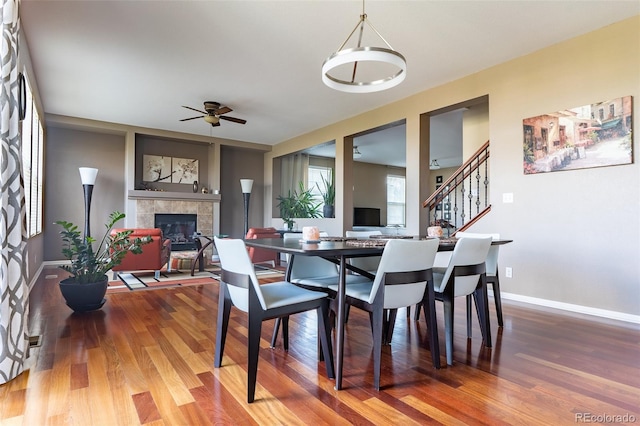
[(309, 266), (369, 263), (468, 251), (402, 256), (234, 257), (492, 257), (298, 236)]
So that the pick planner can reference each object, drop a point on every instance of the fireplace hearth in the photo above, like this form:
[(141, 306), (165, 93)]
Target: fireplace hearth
[(179, 228)]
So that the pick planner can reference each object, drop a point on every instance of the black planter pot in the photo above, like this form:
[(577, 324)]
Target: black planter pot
[(327, 211), (84, 297)]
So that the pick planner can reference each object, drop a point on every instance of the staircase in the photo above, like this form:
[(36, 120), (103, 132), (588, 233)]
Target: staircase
[(463, 198)]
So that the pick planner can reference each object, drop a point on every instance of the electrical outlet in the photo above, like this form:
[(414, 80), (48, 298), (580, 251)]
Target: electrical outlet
[(508, 272)]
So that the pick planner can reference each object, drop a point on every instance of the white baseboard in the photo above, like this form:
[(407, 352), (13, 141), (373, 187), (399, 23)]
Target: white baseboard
[(569, 307)]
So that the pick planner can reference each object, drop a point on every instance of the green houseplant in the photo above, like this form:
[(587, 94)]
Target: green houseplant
[(297, 204), (328, 194), (84, 290)]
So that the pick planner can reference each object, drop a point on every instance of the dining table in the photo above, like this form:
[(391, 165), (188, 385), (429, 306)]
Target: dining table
[(339, 250)]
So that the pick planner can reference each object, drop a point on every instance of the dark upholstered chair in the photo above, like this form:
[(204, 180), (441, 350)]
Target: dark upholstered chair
[(153, 257), (261, 255)]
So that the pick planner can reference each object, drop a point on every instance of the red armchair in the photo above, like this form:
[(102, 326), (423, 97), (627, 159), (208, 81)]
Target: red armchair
[(261, 255), (154, 254)]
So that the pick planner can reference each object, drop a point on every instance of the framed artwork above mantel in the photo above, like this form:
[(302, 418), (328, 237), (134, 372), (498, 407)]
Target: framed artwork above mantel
[(163, 169)]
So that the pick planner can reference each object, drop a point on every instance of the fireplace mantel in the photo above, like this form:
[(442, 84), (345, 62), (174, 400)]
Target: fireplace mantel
[(166, 195)]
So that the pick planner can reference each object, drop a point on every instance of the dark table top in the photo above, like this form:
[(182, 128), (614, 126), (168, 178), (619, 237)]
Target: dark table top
[(337, 246)]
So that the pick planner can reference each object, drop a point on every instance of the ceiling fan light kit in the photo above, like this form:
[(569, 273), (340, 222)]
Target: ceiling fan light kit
[(211, 119), (343, 56)]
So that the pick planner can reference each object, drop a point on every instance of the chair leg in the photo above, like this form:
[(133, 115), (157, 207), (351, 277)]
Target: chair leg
[(255, 328), (498, 299), (448, 328), (276, 328), (377, 324), (429, 305), (224, 309), (482, 307), (468, 316), (324, 337), (417, 314), (285, 332), (390, 324)]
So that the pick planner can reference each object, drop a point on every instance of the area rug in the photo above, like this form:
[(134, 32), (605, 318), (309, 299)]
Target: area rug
[(145, 280)]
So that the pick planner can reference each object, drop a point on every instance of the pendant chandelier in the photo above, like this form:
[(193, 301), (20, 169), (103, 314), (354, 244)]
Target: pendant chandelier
[(385, 56)]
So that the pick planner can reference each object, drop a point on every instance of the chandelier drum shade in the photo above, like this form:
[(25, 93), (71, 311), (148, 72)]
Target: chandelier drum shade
[(384, 67)]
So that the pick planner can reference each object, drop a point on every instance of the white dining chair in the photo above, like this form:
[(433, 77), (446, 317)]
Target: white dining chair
[(465, 275), (403, 278), (311, 273), (369, 263), (492, 275), (239, 287)]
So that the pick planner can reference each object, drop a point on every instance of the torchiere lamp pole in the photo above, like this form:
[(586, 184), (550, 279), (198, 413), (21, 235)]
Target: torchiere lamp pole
[(88, 177), (247, 185)]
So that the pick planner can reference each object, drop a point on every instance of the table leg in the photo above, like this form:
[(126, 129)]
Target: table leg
[(340, 322), (200, 256)]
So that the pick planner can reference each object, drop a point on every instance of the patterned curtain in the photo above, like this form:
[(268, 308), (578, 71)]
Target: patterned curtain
[(13, 284)]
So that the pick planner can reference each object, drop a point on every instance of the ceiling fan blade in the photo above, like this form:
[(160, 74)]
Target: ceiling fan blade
[(234, 119), (223, 110), (215, 124), (192, 118), (197, 110)]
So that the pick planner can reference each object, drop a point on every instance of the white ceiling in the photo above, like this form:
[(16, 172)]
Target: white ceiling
[(138, 62)]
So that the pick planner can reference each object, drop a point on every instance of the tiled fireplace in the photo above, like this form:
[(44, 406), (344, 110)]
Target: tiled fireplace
[(148, 204)]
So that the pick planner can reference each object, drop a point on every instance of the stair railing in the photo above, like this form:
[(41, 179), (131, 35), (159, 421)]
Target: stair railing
[(463, 198)]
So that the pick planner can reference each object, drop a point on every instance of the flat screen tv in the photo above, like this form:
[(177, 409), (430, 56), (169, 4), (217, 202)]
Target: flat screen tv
[(366, 216)]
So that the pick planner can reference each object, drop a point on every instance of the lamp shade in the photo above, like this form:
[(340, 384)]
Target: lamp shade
[(247, 185), (88, 175)]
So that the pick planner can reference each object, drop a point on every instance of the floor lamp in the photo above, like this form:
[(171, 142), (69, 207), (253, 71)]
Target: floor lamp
[(246, 185), (88, 177)]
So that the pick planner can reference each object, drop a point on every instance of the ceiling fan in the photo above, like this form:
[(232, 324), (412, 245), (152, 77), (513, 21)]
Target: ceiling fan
[(213, 113)]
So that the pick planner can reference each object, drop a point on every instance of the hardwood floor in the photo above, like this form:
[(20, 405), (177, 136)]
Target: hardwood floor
[(147, 358)]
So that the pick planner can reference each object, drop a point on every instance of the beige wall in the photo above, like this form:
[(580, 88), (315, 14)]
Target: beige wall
[(576, 233)]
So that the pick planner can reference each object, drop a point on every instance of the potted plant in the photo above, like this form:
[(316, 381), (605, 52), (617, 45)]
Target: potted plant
[(328, 194), (297, 204), (84, 290)]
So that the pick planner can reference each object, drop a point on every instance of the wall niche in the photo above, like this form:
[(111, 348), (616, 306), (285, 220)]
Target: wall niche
[(170, 156)]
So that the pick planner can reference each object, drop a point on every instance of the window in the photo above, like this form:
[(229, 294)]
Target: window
[(32, 138), (395, 200), (316, 184)]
